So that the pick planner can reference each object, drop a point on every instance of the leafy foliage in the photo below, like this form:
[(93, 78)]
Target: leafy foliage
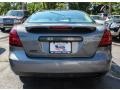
[(113, 7), (79, 6), (89, 7)]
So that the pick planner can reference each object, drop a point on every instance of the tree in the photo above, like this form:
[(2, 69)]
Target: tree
[(89, 7), (112, 7), (4, 7), (79, 6)]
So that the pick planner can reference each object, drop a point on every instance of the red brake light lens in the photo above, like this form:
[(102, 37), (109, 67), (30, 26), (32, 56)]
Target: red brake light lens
[(106, 39), (60, 27), (14, 39)]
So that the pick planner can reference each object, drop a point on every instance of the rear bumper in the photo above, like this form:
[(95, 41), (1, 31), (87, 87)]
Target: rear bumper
[(22, 65), (7, 26), (59, 67)]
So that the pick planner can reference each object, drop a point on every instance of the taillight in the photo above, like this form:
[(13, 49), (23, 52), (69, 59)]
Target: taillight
[(14, 39), (106, 39)]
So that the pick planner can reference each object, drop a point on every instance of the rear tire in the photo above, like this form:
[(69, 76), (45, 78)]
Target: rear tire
[(27, 79), (100, 76), (2, 29), (119, 36)]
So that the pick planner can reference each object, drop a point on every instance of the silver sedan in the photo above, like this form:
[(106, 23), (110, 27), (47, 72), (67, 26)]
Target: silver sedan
[(59, 43)]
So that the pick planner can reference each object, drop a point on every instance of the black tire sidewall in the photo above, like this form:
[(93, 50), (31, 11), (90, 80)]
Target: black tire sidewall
[(2, 29), (27, 79)]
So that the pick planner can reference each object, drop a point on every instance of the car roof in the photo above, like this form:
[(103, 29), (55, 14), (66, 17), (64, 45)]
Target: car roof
[(94, 15), (62, 11), (115, 15), (7, 16)]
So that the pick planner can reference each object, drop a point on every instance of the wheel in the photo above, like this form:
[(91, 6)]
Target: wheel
[(27, 79), (2, 29), (119, 36), (100, 76)]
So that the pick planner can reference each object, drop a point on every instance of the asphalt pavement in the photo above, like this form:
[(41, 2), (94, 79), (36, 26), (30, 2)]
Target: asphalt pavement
[(8, 80)]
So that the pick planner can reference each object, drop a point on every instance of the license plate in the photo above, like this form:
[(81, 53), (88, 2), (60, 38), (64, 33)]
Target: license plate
[(60, 47)]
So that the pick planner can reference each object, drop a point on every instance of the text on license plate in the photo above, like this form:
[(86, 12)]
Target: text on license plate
[(60, 47)]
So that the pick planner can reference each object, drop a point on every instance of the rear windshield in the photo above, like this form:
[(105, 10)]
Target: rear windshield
[(15, 13), (60, 17)]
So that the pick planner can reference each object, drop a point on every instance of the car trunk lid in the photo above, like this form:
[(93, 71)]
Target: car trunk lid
[(60, 41)]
